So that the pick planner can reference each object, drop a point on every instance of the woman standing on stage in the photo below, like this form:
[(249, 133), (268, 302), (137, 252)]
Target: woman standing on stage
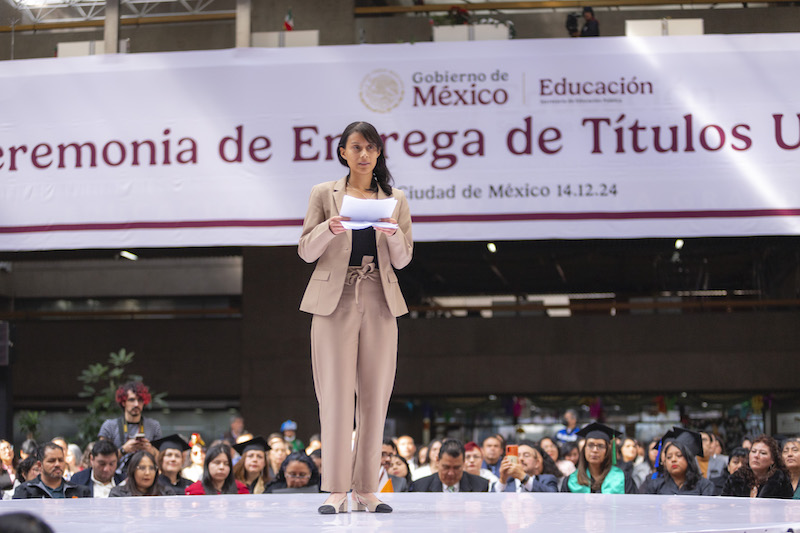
[(355, 299)]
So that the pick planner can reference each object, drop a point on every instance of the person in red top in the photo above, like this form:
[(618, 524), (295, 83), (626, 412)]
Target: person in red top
[(217, 474)]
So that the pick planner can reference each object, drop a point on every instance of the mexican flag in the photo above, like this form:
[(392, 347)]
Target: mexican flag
[(288, 21)]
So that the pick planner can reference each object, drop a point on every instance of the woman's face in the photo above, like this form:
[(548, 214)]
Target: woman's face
[(595, 451), (254, 461), (360, 154), (433, 455), (675, 462), (572, 456), (791, 455), (145, 474), (297, 474), (549, 448), (278, 452), (171, 461), (6, 452), (397, 467), (760, 458), (629, 451), (423, 455), (219, 468), (198, 455)]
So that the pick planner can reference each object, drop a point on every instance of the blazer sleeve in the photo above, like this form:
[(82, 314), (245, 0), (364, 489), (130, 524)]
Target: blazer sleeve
[(316, 234), (401, 244)]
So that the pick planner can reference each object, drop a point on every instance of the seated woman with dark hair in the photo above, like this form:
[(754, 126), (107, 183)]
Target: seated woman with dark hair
[(679, 473), (764, 477), (645, 469), (597, 470), (170, 461), (217, 475), (252, 467), (553, 450), (737, 458), (298, 473), (142, 478), (399, 468), (27, 469)]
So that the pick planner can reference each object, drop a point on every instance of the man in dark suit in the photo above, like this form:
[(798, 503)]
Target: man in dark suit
[(451, 476), (100, 478), (50, 483)]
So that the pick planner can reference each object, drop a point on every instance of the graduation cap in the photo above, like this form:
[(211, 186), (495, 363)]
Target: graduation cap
[(596, 430), (171, 442), (256, 443), (691, 440)]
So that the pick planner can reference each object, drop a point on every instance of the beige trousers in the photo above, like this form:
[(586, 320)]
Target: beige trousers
[(354, 354)]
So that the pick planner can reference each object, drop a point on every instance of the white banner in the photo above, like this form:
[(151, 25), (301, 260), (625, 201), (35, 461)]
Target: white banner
[(521, 139)]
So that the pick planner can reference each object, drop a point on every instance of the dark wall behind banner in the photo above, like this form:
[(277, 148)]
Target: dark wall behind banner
[(263, 359)]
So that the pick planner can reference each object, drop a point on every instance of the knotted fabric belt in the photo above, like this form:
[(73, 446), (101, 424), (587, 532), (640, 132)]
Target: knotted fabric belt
[(358, 274)]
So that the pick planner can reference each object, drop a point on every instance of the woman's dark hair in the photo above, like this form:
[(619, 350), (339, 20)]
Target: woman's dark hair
[(548, 465), (560, 453), (693, 473), (152, 490), (381, 177), (408, 470), (566, 448), (229, 486), (653, 442), (25, 466), (302, 458), (29, 447)]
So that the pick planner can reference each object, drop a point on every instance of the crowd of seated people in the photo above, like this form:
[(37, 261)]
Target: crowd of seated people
[(590, 459)]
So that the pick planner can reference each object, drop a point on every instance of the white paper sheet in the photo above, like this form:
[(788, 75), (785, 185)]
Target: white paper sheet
[(366, 213)]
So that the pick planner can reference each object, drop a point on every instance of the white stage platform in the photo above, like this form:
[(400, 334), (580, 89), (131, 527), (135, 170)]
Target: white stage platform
[(420, 513)]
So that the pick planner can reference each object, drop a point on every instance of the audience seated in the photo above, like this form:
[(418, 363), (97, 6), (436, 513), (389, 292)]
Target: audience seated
[(169, 460), (711, 464), (526, 473), (399, 468), (679, 473), (8, 466), (252, 468), (50, 482), (492, 453), (765, 475), (217, 475), (553, 450), (597, 470), (101, 475), (432, 464), (297, 473), (450, 476), (737, 458), (26, 469), (646, 468), (278, 452), (387, 481), (197, 458), (473, 463), (142, 478)]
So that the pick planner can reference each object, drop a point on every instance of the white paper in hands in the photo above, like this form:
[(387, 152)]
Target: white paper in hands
[(366, 213)]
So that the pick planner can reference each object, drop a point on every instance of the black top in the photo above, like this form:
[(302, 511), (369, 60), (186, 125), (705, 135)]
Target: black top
[(364, 244), (778, 485), (179, 487), (666, 485), (591, 29)]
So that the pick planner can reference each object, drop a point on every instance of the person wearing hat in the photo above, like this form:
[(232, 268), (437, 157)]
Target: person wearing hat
[(597, 470), (252, 467), (170, 460), (289, 430), (591, 28), (679, 473)]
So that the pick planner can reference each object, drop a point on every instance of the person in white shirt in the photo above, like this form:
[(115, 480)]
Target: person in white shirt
[(527, 473), (100, 478)]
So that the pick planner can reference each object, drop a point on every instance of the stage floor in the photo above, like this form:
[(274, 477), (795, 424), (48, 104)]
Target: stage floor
[(420, 513)]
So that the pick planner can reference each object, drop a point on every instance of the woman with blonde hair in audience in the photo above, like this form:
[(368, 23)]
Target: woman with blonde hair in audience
[(169, 460), (252, 467), (142, 478), (764, 477), (597, 470), (791, 458), (217, 474)]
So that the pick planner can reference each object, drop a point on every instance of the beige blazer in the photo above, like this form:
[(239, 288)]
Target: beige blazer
[(332, 252)]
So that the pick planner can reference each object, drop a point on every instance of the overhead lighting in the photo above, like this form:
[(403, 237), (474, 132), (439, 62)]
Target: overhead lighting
[(491, 247), (128, 255), (679, 244)]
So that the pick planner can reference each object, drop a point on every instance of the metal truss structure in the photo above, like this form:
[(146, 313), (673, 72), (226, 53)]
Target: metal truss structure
[(44, 11)]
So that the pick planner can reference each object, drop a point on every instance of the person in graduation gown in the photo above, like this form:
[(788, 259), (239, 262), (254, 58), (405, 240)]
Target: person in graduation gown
[(252, 468), (217, 474), (597, 470), (679, 473), (170, 460)]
